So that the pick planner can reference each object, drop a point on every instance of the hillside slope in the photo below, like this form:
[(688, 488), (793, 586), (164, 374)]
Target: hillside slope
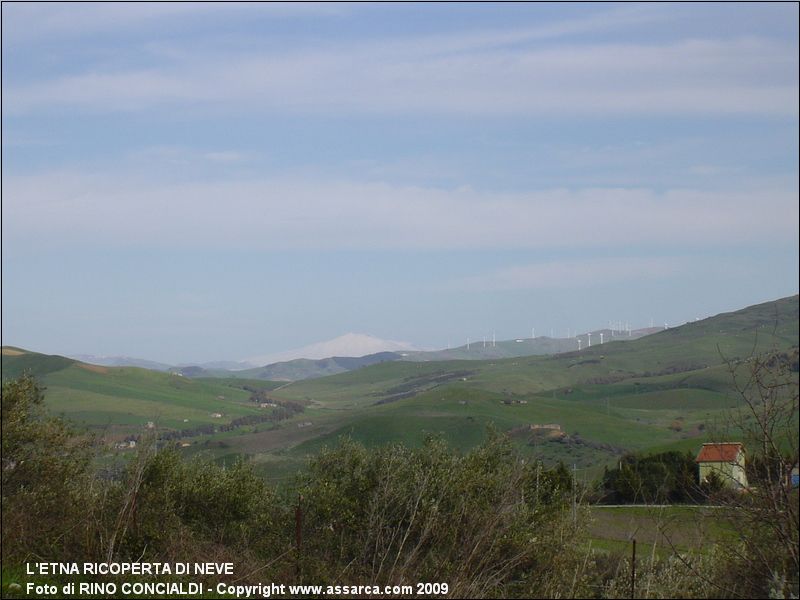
[(668, 390)]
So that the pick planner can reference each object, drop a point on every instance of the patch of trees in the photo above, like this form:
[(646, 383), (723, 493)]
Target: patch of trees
[(576, 440), (665, 478), (258, 395), (607, 379), (672, 369), (786, 360), (285, 409)]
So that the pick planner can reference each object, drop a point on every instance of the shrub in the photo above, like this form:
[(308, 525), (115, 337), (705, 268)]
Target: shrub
[(163, 500), (395, 514), (658, 478), (44, 476)]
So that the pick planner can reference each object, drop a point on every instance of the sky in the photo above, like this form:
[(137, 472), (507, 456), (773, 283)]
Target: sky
[(198, 182)]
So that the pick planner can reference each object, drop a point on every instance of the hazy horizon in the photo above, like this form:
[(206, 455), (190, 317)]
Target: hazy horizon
[(193, 183)]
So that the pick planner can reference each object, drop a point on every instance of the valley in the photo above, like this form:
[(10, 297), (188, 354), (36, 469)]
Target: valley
[(670, 390)]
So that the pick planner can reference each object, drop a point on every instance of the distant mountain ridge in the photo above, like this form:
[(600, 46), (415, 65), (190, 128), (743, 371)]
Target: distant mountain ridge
[(308, 368), (303, 368), (293, 370), (482, 350), (121, 361), (298, 369), (321, 359), (130, 361), (347, 345)]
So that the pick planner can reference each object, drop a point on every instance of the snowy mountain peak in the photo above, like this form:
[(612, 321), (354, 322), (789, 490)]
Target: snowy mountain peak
[(349, 344)]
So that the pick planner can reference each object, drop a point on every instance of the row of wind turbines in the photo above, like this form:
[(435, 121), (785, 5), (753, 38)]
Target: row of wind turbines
[(617, 329)]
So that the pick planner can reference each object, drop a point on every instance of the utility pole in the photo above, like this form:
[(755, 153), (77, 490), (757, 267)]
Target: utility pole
[(574, 494), (298, 534), (633, 570)]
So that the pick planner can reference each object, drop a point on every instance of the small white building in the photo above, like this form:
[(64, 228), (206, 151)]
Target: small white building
[(726, 460)]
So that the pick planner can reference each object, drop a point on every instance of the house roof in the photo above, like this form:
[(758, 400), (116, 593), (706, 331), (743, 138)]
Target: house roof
[(720, 452)]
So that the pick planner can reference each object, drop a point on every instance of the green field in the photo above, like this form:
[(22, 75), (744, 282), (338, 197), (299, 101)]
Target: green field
[(658, 530), (669, 390)]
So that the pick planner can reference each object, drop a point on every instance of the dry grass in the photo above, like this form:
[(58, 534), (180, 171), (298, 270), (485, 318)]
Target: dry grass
[(92, 368)]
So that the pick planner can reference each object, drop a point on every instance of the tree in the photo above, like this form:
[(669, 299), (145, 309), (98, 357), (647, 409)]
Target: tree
[(766, 516), (43, 468), (761, 559)]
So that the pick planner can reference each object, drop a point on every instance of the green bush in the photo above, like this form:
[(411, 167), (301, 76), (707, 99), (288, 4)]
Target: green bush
[(44, 477), (394, 514), (668, 477), (167, 504)]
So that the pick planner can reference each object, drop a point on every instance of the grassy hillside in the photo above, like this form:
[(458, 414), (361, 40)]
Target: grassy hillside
[(120, 401), (303, 368), (669, 390), (486, 350), (16, 361), (688, 348)]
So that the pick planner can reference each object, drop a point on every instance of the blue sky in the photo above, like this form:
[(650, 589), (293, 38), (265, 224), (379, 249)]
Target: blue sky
[(198, 182)]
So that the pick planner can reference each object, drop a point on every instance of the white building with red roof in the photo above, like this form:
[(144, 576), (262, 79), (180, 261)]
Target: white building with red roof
[(726, 460)]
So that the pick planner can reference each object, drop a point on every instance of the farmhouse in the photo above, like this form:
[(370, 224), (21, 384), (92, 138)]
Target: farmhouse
[(553, 426), (727, 460)]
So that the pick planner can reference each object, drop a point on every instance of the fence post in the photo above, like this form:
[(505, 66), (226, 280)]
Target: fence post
[(298, 533), (633, 570)]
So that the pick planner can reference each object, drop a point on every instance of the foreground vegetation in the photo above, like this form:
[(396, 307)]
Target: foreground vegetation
[(486, 522)]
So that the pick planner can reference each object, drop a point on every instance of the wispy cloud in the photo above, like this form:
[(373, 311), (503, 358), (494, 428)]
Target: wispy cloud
[(33, 22), (152, 156), (575, 273), (473, 77), (295, 213)]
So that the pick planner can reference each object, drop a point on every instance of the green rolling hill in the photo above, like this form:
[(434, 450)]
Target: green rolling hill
[(486, 350), (669, 390), (118, 402), (666, 390), (295, 370)]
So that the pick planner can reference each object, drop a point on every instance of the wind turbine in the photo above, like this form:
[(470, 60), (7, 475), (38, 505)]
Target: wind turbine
[(601, 338), (589, 335), (467, 343), (579, 344)]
